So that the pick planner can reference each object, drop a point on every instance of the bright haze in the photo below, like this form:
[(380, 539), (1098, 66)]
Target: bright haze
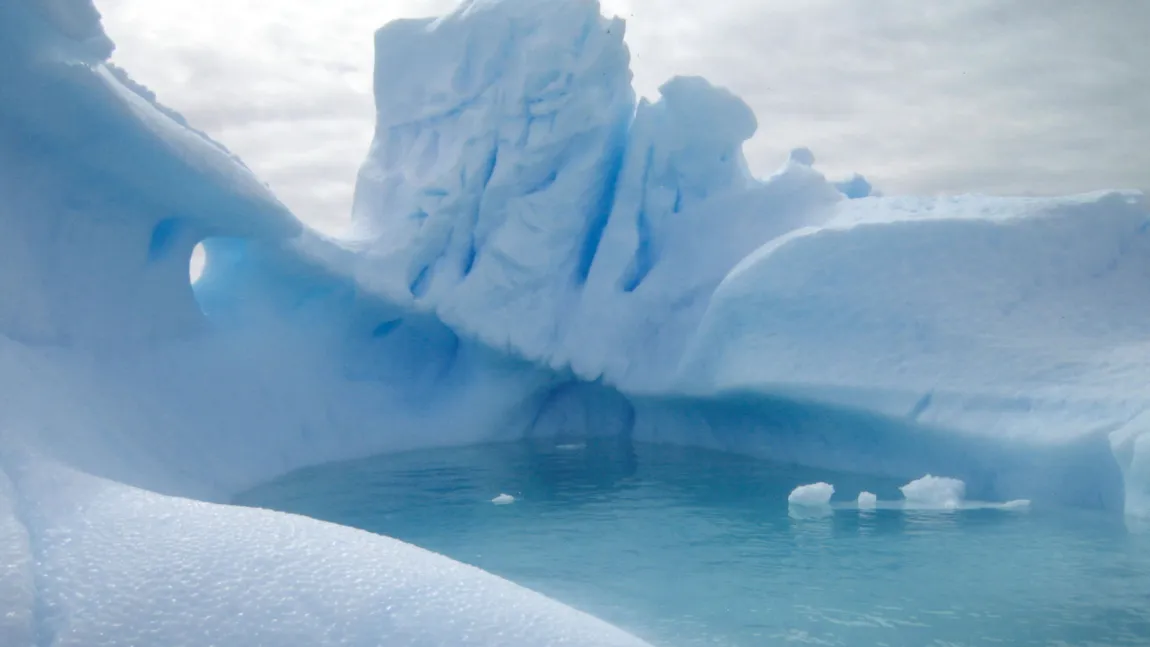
[(1026, 97)]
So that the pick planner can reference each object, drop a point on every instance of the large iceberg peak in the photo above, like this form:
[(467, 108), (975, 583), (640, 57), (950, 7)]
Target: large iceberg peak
[(500, 127), (515, 190), (514, 57), (493, 96)]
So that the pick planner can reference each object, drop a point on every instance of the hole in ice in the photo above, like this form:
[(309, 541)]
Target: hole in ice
[(196, 264), (687, 547)]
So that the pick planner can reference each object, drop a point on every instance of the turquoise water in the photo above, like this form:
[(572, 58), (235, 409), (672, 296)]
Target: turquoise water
[(686, 547)]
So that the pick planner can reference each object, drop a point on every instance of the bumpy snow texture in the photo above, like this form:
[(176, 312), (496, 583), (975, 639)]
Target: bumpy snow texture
[(534, 254)]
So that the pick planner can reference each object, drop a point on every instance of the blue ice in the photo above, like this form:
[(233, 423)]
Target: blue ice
[(537, 256)]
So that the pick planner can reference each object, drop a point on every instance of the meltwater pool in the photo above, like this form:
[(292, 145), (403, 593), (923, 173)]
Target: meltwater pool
[(686, 547)]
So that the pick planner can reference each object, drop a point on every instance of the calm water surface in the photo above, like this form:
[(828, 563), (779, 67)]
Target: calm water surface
[(686, 547)]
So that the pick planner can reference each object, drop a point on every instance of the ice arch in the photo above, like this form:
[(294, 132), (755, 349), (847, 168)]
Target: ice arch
[(113, 378)]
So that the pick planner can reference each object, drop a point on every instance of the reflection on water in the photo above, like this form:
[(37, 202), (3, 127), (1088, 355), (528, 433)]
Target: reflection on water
[(686, 547)]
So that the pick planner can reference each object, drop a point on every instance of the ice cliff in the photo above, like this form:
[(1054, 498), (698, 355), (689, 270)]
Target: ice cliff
[(534, 254)]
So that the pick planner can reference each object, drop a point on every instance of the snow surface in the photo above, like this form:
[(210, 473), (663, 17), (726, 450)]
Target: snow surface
[(535, 255), (813, 494)]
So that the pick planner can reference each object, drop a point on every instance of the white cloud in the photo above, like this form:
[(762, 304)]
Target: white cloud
[(1038, 96), (286, 85)]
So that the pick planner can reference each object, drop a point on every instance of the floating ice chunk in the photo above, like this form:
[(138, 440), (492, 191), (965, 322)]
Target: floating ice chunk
[(814, 494), (935, 492), (867, 500), (503, 499), (1017, 504), (804, 513), (571, 447)]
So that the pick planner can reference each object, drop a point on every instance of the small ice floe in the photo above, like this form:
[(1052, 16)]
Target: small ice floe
[(1017, 504), (810, 513), (936, 492), (571, 447), (815, 494), (503, 499), (867, 501)]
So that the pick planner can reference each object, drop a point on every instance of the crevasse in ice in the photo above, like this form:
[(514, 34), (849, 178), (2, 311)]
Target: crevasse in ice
[(534, 254)]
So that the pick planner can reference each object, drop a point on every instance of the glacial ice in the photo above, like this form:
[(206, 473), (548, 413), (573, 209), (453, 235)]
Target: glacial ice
[(812, 494), (535, 254), (935, 492), (867, 501)]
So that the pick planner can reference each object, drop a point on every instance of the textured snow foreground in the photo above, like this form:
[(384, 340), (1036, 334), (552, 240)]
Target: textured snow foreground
[(534, 255)]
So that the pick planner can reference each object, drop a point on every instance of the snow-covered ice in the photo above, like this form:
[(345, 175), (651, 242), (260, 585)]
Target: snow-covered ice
[(812, 494), (935, 492), (503, 499), (867, 500), (536, 254)]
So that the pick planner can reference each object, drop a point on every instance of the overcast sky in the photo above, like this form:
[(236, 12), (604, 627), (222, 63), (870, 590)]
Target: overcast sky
[(1025, 96)]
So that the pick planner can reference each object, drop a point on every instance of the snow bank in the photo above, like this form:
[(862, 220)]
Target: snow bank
[(117, 566), (950, 308)]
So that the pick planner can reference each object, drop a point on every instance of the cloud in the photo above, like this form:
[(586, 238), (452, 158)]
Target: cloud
[(1033, 96), (285, 85), (1044, 97)]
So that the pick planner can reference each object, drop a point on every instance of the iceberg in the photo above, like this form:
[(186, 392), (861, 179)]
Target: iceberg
[(935, 492), (535, 254), (867, 501), (814, 494)]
